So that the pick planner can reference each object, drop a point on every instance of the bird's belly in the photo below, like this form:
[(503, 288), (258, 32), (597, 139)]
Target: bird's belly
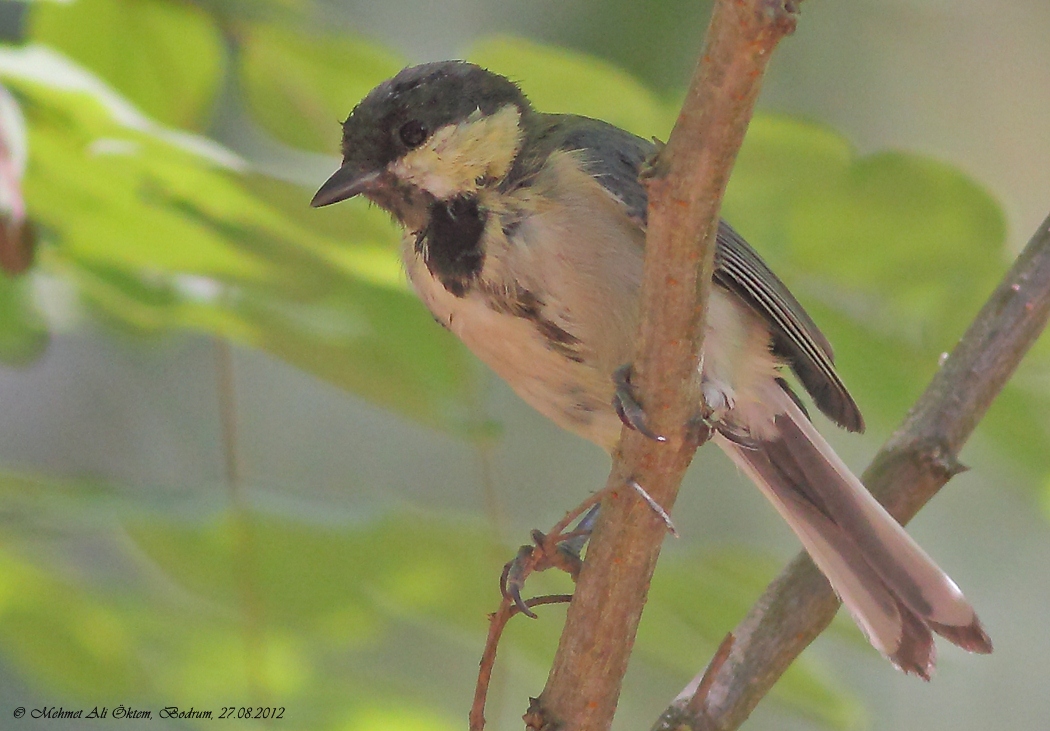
[(571, 391)]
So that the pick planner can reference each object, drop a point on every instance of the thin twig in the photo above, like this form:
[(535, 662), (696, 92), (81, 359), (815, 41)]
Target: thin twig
[(245, 546), (685, 187), (497, 623), (916, 461), (540, 556)]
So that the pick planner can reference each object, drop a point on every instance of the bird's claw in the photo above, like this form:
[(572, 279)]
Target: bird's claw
[(702, 427), (627, 407), (650, 166), (555, 550), (547, 551), (513, 579)]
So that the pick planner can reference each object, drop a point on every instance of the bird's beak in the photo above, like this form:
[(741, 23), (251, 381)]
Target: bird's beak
[(346, 182)]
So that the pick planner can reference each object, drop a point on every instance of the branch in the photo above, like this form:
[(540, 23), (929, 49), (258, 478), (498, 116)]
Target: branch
[(916, 461), (685, 185)]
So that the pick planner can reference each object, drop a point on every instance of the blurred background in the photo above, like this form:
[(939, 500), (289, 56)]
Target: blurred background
[(240, 466)]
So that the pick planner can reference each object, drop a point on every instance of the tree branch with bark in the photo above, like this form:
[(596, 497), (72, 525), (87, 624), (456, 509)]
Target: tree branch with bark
[(686, 184)]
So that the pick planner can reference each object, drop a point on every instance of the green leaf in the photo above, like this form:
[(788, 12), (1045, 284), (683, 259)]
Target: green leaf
[(893, 255), (160, 231), (299, 86), (923, 239), (782, 161), (561, 81), (307, 573), (166, 57)]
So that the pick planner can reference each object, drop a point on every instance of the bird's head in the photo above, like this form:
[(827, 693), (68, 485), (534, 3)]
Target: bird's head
[(437, 131)]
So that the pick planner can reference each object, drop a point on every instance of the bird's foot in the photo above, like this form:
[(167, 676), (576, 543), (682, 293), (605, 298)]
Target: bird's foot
[(627, 407), (558, 549), (716, 416)]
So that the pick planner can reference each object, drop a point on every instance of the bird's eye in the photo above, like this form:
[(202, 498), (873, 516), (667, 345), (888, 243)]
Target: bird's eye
[(412, 133)]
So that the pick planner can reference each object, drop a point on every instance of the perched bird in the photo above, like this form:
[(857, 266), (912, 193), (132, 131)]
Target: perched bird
[(524, 236)]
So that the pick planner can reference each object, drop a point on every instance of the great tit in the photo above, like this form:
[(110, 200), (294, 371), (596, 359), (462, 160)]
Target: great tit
[(524, 236)]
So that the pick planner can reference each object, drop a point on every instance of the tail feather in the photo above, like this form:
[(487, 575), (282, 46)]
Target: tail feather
[(892, 588)]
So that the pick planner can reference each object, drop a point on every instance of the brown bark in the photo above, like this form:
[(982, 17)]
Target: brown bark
[(686, 186)]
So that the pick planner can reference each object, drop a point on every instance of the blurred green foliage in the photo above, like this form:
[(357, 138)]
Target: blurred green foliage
[(160, 231), (612, 29), (237, 602), (157, 229), (565, 82), (167, 59), (283, 68), (23, 332)]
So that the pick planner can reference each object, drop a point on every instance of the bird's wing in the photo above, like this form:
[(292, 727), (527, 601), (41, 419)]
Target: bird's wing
[(796, 337)]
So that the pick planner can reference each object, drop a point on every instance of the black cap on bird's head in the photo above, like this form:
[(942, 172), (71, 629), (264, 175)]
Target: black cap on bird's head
[(404, 112)]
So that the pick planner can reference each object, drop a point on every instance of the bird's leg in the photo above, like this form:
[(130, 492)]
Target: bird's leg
[(562, 549), (627, 407)]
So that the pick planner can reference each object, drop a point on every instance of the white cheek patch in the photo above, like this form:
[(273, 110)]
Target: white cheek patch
[(456, 156)]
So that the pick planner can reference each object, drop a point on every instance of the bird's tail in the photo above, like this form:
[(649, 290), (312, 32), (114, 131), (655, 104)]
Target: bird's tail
[(895, 592)]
